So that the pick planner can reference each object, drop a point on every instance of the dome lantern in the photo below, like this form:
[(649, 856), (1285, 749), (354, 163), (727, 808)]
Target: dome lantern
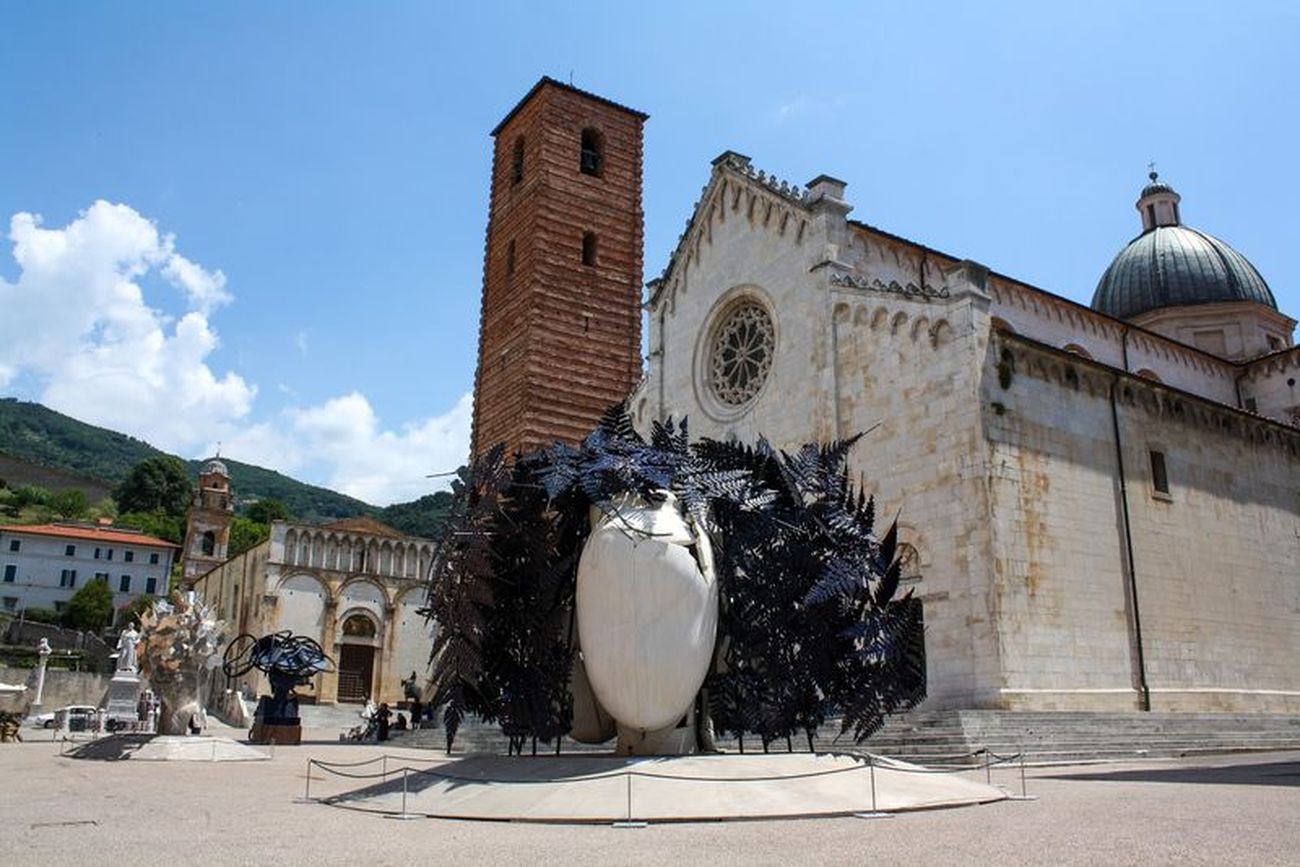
[(1158, 204)]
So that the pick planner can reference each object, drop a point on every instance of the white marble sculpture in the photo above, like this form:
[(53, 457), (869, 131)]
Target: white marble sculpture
[(647, 608), (126, 641)]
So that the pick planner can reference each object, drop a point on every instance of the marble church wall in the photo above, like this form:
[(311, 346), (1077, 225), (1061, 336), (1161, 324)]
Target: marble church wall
[(1008, 494), (1217, 561)]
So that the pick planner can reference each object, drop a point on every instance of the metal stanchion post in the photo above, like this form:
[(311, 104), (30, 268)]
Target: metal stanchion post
[(306, 795), (628, 823), (403, 814), (874, 813), (1024, 794)]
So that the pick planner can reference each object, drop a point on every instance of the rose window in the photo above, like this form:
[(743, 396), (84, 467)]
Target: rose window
[(742, 354)]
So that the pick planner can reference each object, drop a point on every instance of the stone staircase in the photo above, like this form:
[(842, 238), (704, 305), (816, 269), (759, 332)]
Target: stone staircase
[(941, 737), (957, 737)]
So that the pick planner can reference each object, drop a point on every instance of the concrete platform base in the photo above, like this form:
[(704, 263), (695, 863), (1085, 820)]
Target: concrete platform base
[(287, 735), (166, 748), (608, 789)]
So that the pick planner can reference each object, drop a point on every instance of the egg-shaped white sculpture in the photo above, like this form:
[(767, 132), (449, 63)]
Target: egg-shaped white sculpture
[(647, 604)]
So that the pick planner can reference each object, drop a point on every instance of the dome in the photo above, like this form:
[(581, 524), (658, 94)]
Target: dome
[(1171, 265), (215, 466)]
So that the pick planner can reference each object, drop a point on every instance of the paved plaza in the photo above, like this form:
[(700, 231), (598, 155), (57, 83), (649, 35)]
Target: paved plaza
[(1219, 810)]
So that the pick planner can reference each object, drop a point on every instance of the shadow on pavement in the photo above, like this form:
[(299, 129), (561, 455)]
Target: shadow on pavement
[(1263, 774)]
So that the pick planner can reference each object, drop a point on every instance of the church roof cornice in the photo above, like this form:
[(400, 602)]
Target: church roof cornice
[(1249, 421), (547, 81), (999, 282), (729, 166)]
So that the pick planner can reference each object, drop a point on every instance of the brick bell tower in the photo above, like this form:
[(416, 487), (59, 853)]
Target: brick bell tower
[(207, 523), (560, 328)]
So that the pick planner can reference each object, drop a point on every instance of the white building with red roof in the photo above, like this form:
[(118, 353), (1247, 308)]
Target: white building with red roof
[(43, 565)]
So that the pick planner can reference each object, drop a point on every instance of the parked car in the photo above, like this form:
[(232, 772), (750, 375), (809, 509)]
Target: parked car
[(74, 717)]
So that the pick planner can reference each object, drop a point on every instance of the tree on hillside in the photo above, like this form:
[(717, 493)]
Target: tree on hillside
[(244, 534), (169, 527), (267, 510), (70, 504), (29, 495), (91, 607), (158, 484)]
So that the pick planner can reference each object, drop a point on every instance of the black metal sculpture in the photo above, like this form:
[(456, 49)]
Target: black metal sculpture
[(810, 627), (288, 661)]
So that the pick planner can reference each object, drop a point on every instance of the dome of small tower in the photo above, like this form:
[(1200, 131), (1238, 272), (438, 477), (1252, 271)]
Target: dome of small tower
[(1172, 265), (215, 467)]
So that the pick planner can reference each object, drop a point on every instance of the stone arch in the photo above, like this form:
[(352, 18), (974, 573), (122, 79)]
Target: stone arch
[(290, 545), (878, 318), (1149, 374), (360, 626), (840, 313), (301, 601), (362, 588), (386, 558), (922, 323), (997, 323), (941, 334), (1078, 350), (909, 562), (899, 320), (861, 315), (317, 550)]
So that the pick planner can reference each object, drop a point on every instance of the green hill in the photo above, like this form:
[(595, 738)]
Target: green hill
[(37, 435)]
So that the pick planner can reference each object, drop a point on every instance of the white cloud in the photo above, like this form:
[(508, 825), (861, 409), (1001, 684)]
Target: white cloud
[(206, 289), (361, 458), (77, 323)]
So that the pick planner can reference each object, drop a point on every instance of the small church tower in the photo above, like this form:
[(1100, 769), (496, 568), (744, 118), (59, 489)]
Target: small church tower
[(207, 524), (560, 329)]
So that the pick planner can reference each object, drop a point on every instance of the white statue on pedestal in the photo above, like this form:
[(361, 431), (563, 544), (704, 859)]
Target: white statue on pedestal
[(126, 642)]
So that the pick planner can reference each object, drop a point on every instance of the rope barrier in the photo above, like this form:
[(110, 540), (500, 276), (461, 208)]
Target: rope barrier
[(860, 764), (869, 762)]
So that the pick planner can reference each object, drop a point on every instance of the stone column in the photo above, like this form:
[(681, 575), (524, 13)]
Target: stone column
[(329, 681), (43, 651)]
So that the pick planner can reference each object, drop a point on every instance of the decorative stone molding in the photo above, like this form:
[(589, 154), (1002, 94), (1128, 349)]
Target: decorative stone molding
[(910, 290), (1059, 367)]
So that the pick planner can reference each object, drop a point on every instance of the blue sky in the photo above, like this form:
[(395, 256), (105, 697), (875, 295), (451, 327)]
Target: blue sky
[(314, 176)]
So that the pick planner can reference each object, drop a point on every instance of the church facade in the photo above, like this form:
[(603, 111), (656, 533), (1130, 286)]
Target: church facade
[(354, 586), (1100, 504)]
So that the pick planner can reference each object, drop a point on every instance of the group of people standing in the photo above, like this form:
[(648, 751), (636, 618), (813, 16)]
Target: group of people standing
[(380, 719)]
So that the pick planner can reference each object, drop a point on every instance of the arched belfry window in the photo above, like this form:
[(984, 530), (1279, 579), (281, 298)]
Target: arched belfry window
[(517, 161), (592, 157), (209, 543), (589, 248)]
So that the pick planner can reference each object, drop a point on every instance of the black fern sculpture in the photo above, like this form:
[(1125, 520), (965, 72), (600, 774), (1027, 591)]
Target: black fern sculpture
[(811, 626)]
